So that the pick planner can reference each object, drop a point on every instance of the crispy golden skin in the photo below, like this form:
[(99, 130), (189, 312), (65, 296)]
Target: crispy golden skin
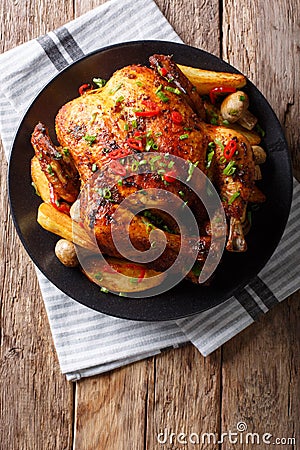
[(107, 112), (100, 123)]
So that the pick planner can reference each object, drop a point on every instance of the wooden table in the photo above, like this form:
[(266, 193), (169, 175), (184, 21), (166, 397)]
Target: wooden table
[(254, 378)]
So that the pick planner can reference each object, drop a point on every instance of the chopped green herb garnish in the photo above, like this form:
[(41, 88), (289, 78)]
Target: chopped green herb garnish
[(134, 166), (242, 98), (214, 121), (159, 89), (183, 136), (66, 151), (233, 197), (171, 164), (50, 170), (114, 90), (105, 193), (90, 139), (133, 280), (181, 193), (174, 90), (225, 122), (197, 269), (191, 169), (94, 167), (120, 99), (219, 143), (139, 83), (103, 289), (222, 160), (120, 182), (98, 276), (209, 158), (126, 127), (230, 168), (122, 294), (99, 82), (162, 96), (134, 123)]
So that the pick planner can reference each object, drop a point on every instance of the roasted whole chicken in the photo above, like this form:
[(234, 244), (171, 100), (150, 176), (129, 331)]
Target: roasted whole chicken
[(142, 109)]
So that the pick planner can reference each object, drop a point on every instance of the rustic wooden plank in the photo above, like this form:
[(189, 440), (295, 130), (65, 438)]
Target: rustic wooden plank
[(197, 22), (260, 366), (161, 391), (110, 409), (36, 402), (184, 399), (264, 43), (260, 377)]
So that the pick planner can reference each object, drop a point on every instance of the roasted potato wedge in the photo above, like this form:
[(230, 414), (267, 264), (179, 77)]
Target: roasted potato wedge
[(40, 180), (205, 80), (61, 224), (253, 137), (138, 277)]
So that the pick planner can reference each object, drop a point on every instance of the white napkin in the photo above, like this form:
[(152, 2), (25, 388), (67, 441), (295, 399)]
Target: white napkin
[(88, 342)]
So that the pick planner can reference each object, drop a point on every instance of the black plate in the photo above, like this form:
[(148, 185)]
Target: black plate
[(235, 271)]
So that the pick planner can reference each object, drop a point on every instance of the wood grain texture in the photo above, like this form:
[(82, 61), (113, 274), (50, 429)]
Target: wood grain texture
[(36, 402), (264, 43), (183, 397), (111, 409), (260, 377), (196, 22)]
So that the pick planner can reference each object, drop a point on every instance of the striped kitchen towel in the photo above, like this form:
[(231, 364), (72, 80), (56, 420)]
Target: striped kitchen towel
[(89, 342)]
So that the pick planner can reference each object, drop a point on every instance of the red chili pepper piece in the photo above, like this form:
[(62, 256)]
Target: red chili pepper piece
[(219, 91), (60, 206), (141, 275), (134, 143), (152, 109), (84, 88), (163, 71), (117, 168), (119, 153), (170, 176), (176, 117), (230, 149)]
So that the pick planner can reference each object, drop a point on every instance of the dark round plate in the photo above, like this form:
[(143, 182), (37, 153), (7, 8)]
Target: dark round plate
[(185, 299)]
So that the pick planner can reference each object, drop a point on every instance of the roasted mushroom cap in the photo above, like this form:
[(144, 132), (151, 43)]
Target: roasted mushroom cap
[(66, 253)]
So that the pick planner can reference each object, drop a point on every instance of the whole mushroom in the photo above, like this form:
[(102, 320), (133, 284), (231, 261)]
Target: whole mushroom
[(66, 253), (234, 108)]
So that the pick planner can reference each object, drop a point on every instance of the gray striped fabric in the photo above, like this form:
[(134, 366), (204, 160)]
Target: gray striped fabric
[(89, 342)]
